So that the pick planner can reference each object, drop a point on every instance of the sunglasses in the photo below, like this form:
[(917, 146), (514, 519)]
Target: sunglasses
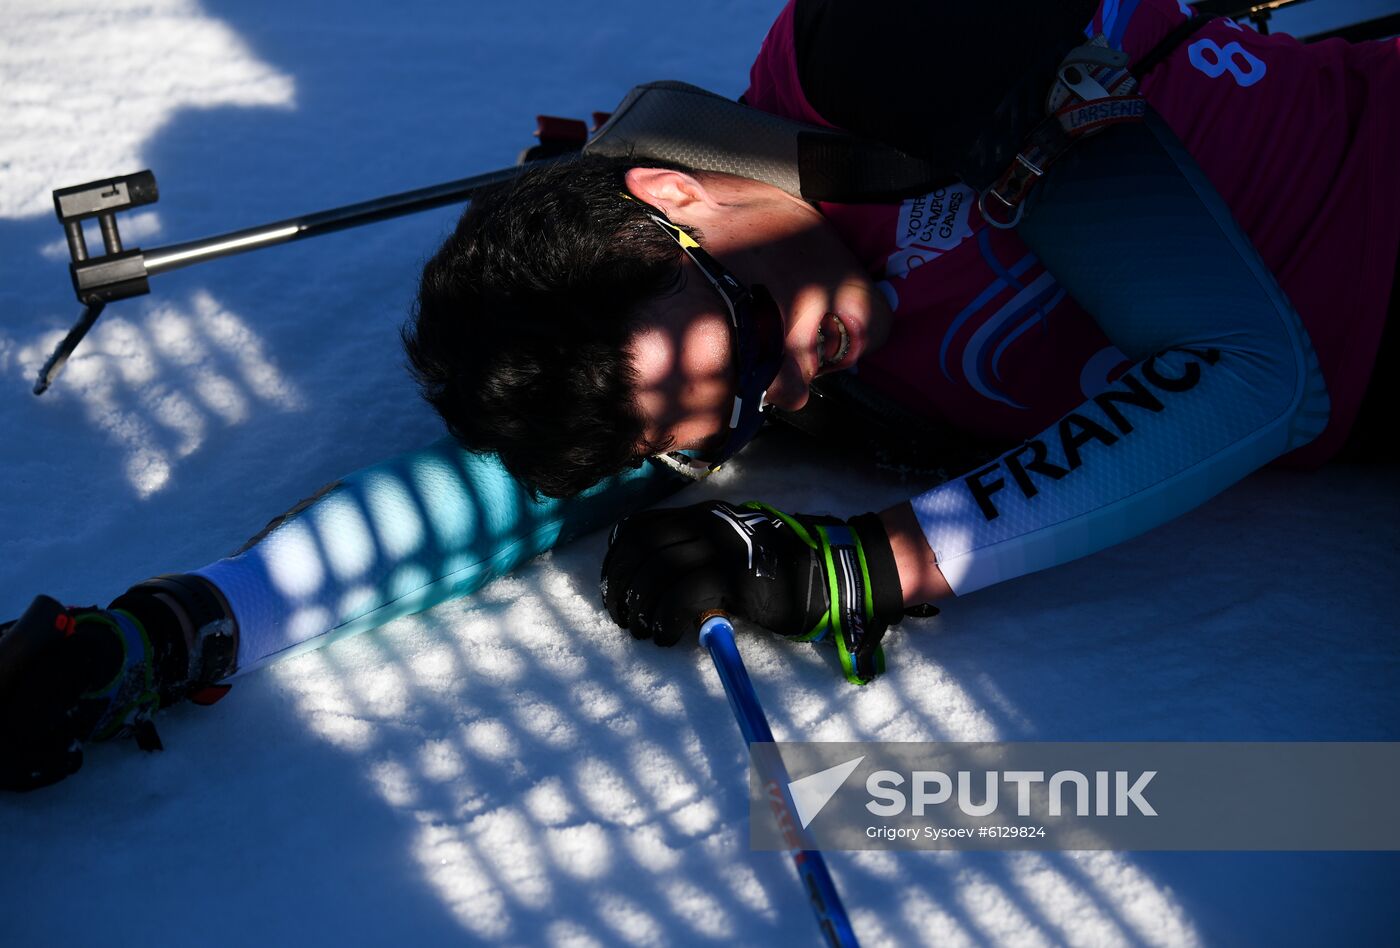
[(756, 337)]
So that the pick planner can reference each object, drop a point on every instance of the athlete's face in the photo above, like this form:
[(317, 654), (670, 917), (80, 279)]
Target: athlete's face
[(832, 313)]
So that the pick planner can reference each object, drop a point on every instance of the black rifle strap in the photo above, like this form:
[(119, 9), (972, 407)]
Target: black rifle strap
[(679, 122)]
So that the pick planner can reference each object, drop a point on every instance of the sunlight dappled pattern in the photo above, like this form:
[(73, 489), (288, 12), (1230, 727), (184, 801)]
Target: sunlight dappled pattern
[(1149, 913), (995, 913), (433, 783), (173, 56), (567, 792), (1067, 908), (158, 378)]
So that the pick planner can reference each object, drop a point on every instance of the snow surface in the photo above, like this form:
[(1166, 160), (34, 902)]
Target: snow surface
[(511, 769)]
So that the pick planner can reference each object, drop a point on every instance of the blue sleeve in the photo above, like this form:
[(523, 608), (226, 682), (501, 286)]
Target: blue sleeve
[(399, 537), (1226, 379)]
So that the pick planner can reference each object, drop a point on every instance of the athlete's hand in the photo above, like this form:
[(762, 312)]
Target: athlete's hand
[(666, 569)]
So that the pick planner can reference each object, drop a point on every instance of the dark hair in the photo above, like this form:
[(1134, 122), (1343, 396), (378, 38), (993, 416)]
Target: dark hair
[(518, 334)]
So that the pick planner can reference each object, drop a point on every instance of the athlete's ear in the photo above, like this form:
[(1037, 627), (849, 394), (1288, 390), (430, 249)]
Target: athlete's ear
[(682, 197)]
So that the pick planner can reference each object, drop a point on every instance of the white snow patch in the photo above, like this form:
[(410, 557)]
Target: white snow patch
[(549, 802), (61, 127), (583, 852), (453, 867)]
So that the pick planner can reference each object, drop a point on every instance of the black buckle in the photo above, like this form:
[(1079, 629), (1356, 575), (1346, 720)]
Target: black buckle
[(1011, 191)]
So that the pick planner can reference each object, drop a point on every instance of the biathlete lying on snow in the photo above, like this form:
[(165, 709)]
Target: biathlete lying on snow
[(1143, 356), (1189, 292)]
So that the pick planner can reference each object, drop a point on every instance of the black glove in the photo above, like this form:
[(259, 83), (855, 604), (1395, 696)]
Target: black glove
[(69, 675), (800, 576)]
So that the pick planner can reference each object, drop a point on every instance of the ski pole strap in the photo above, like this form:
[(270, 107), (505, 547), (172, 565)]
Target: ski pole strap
[(855, 570)]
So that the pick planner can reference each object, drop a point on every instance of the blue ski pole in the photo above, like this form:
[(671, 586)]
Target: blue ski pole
[(717, 635)]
